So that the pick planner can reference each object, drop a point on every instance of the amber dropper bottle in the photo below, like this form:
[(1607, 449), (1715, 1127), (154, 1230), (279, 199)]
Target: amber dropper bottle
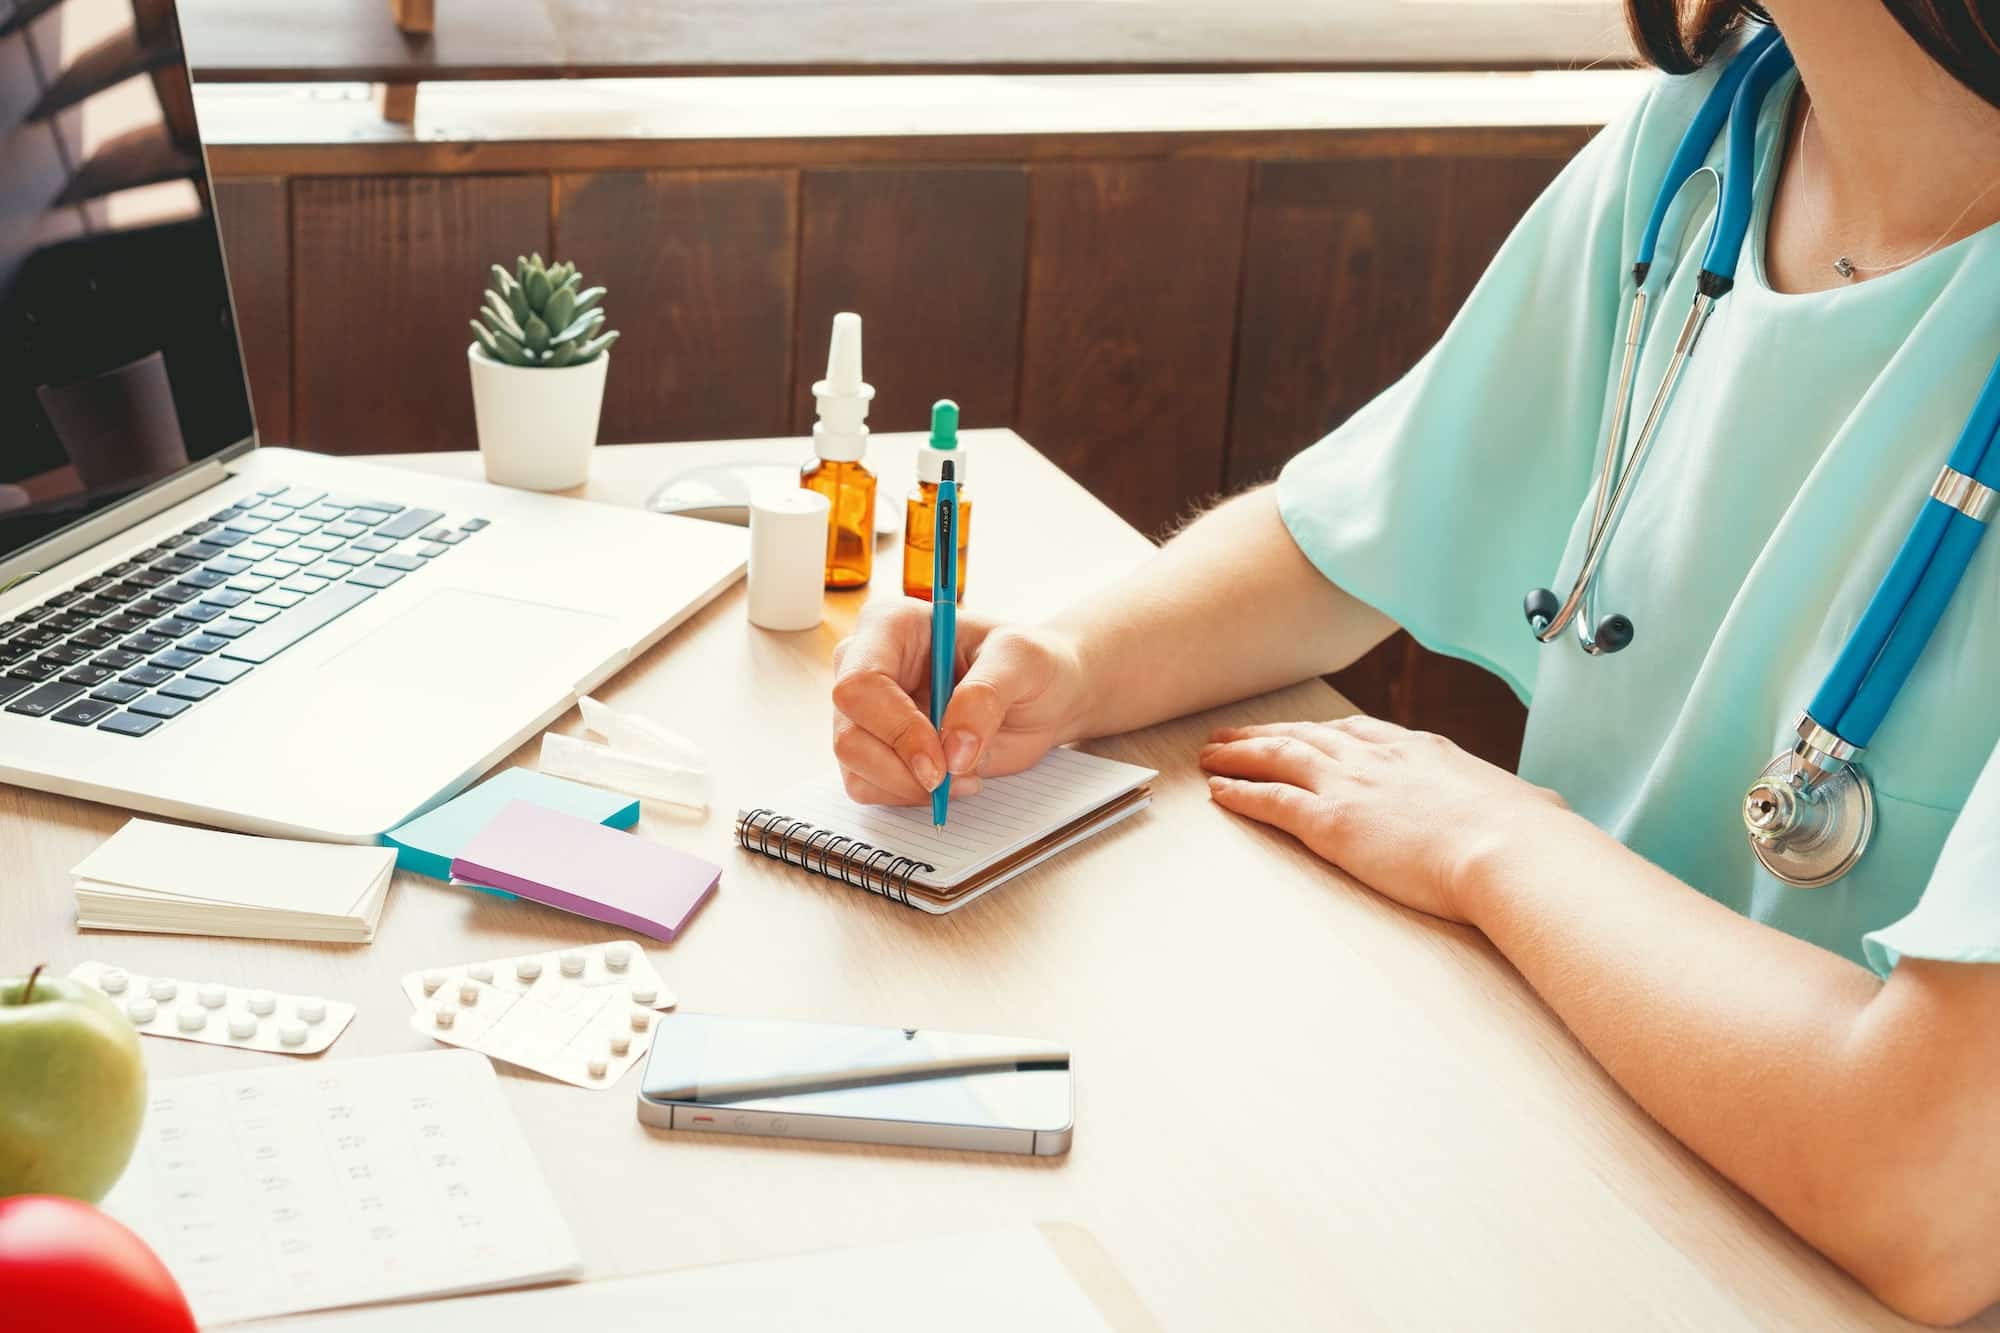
[(836, 470), (920, 511)]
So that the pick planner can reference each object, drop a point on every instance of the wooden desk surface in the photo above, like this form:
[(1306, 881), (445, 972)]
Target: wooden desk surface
[(1298, 1106)]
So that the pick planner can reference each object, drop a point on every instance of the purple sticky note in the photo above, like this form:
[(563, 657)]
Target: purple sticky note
[(561, 861)]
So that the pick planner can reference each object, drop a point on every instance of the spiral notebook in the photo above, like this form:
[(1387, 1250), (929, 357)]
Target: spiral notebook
[(1013, 824)]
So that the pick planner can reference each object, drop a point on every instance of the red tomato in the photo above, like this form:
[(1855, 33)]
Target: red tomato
[(66, 1267)]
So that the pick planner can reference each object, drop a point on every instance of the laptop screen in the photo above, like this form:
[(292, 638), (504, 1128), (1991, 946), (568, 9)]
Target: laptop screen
[(119, 363)]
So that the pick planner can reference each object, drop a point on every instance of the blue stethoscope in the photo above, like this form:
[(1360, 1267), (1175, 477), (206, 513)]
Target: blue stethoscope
[(1811, 811)]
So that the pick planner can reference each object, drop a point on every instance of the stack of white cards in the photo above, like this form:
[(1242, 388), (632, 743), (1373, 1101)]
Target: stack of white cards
[(186, 881)]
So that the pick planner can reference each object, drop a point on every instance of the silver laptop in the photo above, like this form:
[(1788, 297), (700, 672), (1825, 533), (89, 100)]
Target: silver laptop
[(261, 638)]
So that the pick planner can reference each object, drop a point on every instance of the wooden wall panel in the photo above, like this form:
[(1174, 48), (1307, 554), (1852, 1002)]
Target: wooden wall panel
[(1354, 269), (254, 217), (700, 266), (386, 273), (1130, 319), (934, 259)]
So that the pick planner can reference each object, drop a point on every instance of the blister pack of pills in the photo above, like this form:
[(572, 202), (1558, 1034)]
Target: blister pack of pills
[(612, 964), (220, 1015), (584, 1015)]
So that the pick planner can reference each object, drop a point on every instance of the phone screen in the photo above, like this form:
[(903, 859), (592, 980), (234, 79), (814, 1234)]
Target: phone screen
[(690, 1050)]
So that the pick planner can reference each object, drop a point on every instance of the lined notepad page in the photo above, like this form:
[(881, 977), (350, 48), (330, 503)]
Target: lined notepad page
[(1008, 813)]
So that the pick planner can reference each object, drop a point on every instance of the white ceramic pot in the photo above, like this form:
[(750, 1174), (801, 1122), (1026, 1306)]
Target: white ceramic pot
[(536, 426)]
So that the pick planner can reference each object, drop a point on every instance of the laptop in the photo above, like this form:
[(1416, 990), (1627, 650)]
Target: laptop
[(261, 638)]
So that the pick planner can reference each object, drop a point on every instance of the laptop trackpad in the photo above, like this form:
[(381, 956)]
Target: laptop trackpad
[(383, 722)]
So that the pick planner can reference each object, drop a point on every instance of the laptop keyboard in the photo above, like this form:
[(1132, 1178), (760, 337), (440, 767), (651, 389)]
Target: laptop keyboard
[(136, 646)]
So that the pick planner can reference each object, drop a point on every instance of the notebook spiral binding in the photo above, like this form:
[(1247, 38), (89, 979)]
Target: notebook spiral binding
[(861, 865)]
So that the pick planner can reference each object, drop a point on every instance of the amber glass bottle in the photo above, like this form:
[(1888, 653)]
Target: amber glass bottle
[(920, 511), (850, 529)]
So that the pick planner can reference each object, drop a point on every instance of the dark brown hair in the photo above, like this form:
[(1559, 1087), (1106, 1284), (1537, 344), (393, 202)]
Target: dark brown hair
[(1961, 35)]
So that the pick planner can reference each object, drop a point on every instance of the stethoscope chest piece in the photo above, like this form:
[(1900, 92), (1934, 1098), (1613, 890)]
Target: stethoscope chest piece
[(1808, 833)]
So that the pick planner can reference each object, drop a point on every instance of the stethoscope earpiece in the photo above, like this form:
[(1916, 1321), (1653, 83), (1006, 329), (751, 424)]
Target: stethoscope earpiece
[(1541, 606), (1614, 633)]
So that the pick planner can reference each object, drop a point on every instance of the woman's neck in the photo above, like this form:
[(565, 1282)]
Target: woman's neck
[(1895, 150)]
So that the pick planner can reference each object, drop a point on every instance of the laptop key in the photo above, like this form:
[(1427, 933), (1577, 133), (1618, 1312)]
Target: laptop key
[(179, 594), (94, 638), (173, 627), (255, 613), (229, 566), (69, 622), (148, 578), (453, 537), (176, 564), (267, 641), (224, 537), (228, 597), (321, 513), (398, 560), (281, 569), (146, 643), (269, 491), (325, 569), (83, 712), (147, 676), (37, 636), (206, 578), (374, 578), (203, 551), (117, 692), (64, 655), (473, 525), (219, 671), (281, 599), (303, 586), (409, 523), (248, 525), (430, 549), (152, 705), (298, 497), (150, 607), (347, 555), (62, 599), (45, 699), (194, 691), (348, 502), (93, 583), (36, 670), (128, 724), (230, 629), (207, 525), (86, 675), (253, 583), (117, 659), (321, 541), (202, 612), (175, 539), (298, 527), (202, 643), (11, 653), (175, 660), (271, 513), (344, 528), (366, 517), (275, 539), (436, 534), (373, 545)]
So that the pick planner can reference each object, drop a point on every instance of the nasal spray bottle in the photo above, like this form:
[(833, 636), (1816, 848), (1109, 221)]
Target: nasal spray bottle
[(836, 470), (920, 521)]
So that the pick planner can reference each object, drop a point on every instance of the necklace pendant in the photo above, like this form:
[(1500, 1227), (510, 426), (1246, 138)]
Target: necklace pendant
[(1844, 267)]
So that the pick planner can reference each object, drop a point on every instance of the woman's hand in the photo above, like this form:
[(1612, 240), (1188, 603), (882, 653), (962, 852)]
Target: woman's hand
[(1407, 813), (1019, 692)]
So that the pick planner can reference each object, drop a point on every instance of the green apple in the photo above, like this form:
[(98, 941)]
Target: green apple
[(72, 1088)]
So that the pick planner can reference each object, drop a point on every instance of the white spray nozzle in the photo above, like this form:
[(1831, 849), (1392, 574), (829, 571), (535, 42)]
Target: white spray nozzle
[(842, 397)]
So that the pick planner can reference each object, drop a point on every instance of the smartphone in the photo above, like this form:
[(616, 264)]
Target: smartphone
[(714, 1075)]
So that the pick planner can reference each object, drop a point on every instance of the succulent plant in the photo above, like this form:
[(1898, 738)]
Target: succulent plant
[(541, 316)]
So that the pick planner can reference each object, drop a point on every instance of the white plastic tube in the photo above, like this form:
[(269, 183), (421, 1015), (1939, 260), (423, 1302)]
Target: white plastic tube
[(788, 559), (601, 766)]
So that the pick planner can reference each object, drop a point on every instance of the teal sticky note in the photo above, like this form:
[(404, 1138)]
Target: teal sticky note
[(428, 843)]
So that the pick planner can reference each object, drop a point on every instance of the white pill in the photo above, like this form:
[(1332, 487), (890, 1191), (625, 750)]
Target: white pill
[(141, 1009), (572, 964), (641, 1019), (213, 996), (191, 1018), (311, 1008), (113, 981), (597, 1065), (263, 1003), (468, 994), (527, 969), (292, 1032), (621, 1042), (480, 972), (164, 988), (617, 956), (242, 1027), (444, 1016), (432, 980), (644, 994)]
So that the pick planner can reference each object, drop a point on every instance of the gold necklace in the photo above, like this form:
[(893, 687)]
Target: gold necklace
[(1842, 264)]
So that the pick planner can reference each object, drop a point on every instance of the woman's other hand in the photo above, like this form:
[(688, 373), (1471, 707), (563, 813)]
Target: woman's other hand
[(1407, 813), (1019, 692)]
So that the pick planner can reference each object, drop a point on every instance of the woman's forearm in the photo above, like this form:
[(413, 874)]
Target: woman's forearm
[(1850, 1107), (1227, 609)]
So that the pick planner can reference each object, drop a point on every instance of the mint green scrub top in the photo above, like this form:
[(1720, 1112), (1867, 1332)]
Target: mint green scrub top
[(1803, 440)]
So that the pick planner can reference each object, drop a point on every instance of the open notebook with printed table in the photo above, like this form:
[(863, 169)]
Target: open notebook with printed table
[(1012, 825)]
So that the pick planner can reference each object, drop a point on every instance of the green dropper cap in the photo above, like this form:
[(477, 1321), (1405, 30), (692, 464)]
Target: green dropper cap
[(944, 424)]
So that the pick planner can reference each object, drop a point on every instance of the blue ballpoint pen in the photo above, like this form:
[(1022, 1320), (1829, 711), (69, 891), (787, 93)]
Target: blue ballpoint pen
[(944, 621)]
